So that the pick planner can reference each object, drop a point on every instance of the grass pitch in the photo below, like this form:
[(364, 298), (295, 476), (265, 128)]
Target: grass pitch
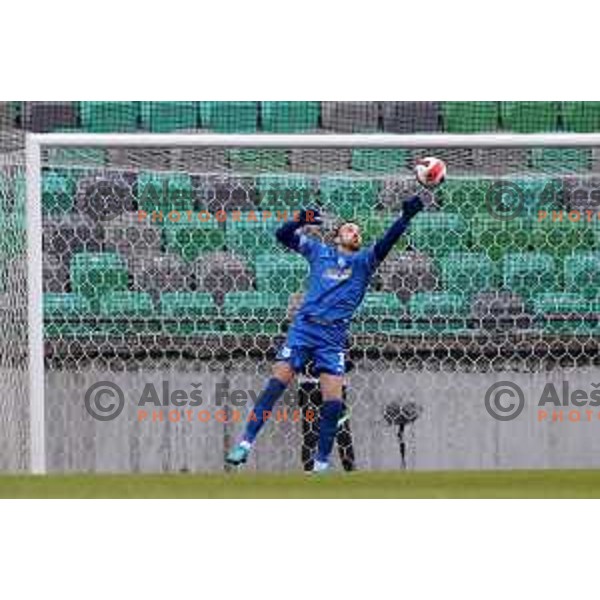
[(449, 484)]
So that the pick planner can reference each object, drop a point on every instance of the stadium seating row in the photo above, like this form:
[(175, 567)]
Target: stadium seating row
[(183, 313), (102, 196), (96, 274), (436, 234), (290, 117)]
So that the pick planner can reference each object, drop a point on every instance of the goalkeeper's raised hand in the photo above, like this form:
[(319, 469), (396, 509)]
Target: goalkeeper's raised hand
[(286, 234), (411, 207), (310, 216)]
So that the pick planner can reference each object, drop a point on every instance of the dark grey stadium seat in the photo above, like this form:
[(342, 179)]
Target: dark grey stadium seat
[(582, 193), (223, 192), (43, 117), (106, 195), (350, 117), (163, 273), (198, 160), (410, 117), (326, 160), (500, 161), (131, 237), (55, 275), (144, 159), (219, 273), (499, 311), (62, 237), (406, 273)]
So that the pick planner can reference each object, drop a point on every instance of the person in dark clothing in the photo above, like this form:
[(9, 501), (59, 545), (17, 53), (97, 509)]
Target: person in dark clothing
[(310, 401)]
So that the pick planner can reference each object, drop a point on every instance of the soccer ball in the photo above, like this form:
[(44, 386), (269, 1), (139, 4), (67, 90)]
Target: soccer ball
[(430, 171)]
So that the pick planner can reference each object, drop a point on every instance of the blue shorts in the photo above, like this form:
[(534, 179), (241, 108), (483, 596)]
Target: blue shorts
[(325, 345)]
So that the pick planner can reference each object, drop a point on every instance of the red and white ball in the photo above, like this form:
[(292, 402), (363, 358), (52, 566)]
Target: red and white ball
[(430, 171)]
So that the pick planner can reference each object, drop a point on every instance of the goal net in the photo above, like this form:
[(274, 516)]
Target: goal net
[(165, 296)]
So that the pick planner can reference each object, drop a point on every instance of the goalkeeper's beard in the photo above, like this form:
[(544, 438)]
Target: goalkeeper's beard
[(349, 244)]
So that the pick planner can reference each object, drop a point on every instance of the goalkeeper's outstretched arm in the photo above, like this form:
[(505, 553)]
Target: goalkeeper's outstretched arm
[(410, 208), (287, 234)]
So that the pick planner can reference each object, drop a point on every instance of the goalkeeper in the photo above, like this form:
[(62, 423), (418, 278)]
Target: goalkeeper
[(337, 282)]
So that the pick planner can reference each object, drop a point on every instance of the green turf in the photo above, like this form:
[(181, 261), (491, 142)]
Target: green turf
[(451, 484)]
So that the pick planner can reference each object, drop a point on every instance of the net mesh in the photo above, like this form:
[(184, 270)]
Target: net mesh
[(162, 275), (14, 425)]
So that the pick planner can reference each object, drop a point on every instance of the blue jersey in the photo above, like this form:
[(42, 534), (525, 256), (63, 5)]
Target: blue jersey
[(337, 281)]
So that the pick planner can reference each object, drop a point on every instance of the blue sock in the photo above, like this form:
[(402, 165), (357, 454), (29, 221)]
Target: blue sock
[(330, 414), (271, 393)]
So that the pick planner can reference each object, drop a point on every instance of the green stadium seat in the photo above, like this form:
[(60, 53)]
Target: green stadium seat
[(561, 238), (438, 312), (464, 195), (582, 273), (107, 117), (123, 304), (438, 233), (66, 314), (592, 316), (58, 191), (77, 157), (529, 273), (374, 224), (581, 117), (169, 116), (66, 305), (561, 160), (470, 117), (251, 234), (290, 117), (467, 273), (261, 160), (383, 160), (496, 238), (380, 313), (286, 191), (529, 117), (255, 312), (96, 274), (165, 192), (229, 117), (189, 313), (278, 273), (561, 312), (534, 193), (190, 239), (348, 196)]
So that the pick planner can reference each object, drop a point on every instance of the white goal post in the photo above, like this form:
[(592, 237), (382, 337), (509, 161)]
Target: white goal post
[(37, 143)]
